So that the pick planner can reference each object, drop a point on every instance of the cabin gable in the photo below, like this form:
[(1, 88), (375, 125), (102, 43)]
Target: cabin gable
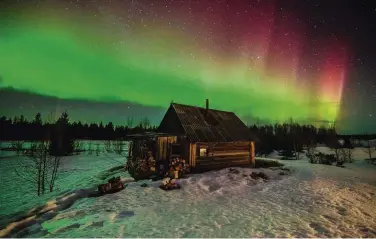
[(171, 123)]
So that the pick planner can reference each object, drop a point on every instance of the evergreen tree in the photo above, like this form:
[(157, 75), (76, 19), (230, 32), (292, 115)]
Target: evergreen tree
[(61, 140)]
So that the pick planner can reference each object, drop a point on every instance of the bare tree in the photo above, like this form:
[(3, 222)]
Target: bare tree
[(108, 146), (17, 145), (333, 142), (78, 147), (370, 149), (118, 146), (54, 166), (295, 138), (311, 153), (90, 149), (347, 155), (97, 150), (39, 168), (30, 168)]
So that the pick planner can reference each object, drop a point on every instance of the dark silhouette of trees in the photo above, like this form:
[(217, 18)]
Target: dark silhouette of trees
[(19, 128), (288, 136), (61, 138)]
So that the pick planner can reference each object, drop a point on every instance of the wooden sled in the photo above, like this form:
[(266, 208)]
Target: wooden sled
[(114, 185)]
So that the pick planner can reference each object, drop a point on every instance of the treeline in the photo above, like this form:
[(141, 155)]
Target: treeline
[(292, 137), (20, 128), (288, 136)]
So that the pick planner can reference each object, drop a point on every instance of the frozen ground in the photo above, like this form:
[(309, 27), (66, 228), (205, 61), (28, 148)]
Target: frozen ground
[(313, 201)]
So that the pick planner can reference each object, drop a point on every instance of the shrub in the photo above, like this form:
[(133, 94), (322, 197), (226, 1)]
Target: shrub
[(321, 158)]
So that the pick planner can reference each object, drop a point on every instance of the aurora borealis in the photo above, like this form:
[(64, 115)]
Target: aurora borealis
[(251, 57)]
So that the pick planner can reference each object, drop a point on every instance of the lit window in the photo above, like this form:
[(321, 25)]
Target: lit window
[(203, 152)]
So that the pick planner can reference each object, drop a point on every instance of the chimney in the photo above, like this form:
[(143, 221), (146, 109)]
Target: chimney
[(207, 104)]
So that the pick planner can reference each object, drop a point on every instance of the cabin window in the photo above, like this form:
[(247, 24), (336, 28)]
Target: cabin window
[(203, 152), (175, 149)]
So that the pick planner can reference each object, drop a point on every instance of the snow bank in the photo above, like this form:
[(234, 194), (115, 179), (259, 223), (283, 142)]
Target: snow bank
[(75, 172), (311, 201)]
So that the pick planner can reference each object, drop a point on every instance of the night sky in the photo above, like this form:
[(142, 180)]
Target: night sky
[(268, 61)]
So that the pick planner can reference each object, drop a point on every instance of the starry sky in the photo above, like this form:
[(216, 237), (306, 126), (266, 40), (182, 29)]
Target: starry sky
[(268, 61)]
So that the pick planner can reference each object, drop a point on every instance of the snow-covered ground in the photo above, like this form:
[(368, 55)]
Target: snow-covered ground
[(312, 201)]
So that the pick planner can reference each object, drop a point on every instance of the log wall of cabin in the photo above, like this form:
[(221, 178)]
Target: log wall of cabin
[(163, 148), (220, 155), (186, 149)]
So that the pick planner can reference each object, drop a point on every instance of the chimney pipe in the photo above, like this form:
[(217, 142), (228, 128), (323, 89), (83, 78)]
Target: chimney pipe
[(207, 104)]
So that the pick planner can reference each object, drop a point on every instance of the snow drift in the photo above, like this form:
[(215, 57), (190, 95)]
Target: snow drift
[(310, 201)]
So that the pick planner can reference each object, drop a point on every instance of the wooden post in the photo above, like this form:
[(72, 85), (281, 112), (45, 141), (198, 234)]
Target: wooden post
[(192, 156), (252, 154), (130, 149), (158, 144)]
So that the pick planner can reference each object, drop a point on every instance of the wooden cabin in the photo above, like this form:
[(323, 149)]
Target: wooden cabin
[(204, 137)]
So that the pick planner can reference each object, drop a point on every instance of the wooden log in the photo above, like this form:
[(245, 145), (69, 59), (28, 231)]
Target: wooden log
[(224, 144), (223, 159), (246, 155), (223, 163), (229, 150), (252, 154), (242, 153)]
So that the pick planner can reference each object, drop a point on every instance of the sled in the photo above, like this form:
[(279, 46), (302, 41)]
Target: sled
[(114, 185)]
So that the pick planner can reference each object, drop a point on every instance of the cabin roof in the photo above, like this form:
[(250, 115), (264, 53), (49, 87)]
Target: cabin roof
[(209, 125)]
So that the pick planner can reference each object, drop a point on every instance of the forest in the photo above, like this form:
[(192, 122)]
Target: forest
[(20, 128), (282, 136)]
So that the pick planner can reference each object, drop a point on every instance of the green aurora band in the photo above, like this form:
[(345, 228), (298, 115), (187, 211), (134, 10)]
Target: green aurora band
[(80, 58)]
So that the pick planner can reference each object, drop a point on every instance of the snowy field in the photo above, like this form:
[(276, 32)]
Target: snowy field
[(311, 201)]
